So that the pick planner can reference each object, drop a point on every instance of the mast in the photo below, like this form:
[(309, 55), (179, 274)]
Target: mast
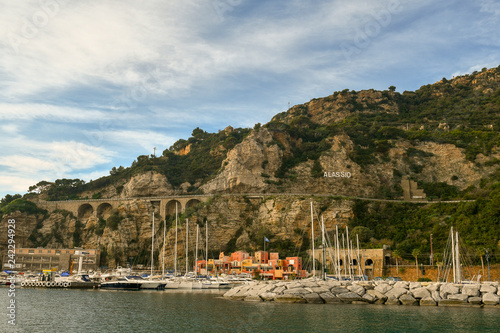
[(206, 249), (457, 258), (337, 250), (152, 243), (187, 244), (349, 254), (453, 256), (312, 236), (164, 231), (196, 255), (175, 248), (324, 247), (343, 250), (357, 254)]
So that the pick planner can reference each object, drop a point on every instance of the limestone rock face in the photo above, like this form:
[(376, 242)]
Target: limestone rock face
[(147, 184), (246, 163)]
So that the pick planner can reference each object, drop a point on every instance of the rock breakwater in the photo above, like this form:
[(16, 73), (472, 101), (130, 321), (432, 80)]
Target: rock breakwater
[(369, 292)]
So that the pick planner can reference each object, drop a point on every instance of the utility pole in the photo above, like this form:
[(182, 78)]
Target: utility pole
[(154, 152), (432, 254), (488, 261)]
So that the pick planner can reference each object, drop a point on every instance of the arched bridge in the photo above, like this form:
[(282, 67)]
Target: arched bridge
[(102, 207)]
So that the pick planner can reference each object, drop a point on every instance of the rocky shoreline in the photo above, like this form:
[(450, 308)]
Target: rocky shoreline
[(369, 292)]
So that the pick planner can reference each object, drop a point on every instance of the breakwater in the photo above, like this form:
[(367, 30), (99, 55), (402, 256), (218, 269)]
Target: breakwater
[(369, 292)]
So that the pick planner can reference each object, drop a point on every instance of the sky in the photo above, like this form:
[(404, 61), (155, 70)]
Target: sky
[(88, 85)]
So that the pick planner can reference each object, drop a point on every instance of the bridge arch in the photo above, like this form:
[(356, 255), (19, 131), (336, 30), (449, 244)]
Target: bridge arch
[(85, 211), (171, 207), (192, 203), (368, 262), (104, 210)]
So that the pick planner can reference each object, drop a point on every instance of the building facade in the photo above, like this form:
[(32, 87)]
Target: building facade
[(39, 259)]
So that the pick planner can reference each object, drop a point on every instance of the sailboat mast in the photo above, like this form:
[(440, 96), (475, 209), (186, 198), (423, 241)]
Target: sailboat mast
[(175, 247), (453, 256), (196, 255), (324, 247), (187, 244), (206, 249), (312, 236), (152, 242), (164, 231), (343, 251), (349, 256), (337, 250), (457, 258)]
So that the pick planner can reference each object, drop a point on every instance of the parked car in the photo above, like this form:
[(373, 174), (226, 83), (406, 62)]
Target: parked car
[(378, 278)]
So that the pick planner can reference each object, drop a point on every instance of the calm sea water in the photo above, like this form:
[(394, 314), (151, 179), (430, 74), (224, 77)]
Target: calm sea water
[(54, 310)]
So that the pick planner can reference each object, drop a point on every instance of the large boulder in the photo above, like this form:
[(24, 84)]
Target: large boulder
[(436, 296), (370, 298), (396, 292), (448, 289), (407, 299), (475, 300), (452, 302), (350, 297), (488, 288), (313, 298), (289, 298), (268, 296), (383, 288), (402, 284), (433, 286), (461, 297), (428, 301), (415, 285), (491, 299), (357, 289), (339, 290), (381, 298), (328, 297), (471, 290), (420, 293), (392, 301), (296, 291)]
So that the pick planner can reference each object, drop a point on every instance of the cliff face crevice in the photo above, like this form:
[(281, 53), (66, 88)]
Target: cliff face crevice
[(247, 165)]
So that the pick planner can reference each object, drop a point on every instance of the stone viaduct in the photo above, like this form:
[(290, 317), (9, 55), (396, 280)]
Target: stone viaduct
[(102, 207)]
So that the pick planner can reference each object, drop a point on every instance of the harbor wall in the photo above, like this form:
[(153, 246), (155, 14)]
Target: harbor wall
[(409, 272)]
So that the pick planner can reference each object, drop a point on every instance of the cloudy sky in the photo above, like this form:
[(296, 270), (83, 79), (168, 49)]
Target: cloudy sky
[(87, 85)]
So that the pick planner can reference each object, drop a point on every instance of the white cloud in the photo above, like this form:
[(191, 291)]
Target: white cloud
[(145, 139), (34, 111)]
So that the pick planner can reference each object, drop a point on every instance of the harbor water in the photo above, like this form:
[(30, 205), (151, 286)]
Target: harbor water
[(71, 310)]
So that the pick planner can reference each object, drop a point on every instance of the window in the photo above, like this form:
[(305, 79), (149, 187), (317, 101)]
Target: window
[(40, 251), (20, 251), (67, 251), (58, 251), (49, 251), (31, 251)]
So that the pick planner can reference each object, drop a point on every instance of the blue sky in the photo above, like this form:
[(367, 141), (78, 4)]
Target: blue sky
[(88, 85)]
